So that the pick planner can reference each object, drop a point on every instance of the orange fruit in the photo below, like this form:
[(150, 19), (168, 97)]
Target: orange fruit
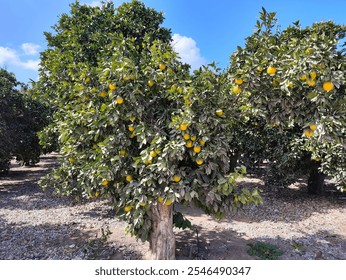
[(186, 136), (238, 81), (202, 142), (160, 199), (153, 154), (197, 149), (271, 70), (112, 87), (308, 132), (313, 127), (122, 152), (151, 83), (176, 178), (183, 127), (328, 86), (189, 144), (199, 161), (236, 89), (193, 138), (162, 66), (219, 112), (311, 83), (313, 75), (128, 208), (303, 77), (104, 183), (129, 178), (168, 202), (120, 100), (131, 128)]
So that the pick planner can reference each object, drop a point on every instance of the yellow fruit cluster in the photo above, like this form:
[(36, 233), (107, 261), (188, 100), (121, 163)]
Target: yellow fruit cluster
[(191, 142)]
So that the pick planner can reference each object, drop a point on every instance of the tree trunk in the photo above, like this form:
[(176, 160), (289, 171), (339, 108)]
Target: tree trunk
[(233, 160), (316, 180), (162, 238)]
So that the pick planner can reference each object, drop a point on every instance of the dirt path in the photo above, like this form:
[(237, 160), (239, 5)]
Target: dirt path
[(38, 225)]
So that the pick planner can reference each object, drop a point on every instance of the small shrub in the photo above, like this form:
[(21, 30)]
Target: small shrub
[(264, 251)]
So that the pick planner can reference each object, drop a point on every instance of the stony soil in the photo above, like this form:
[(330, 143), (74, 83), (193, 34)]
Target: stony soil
[(38, 225)]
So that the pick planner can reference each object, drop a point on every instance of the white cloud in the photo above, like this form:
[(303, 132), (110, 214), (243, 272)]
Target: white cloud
[(7, 54), (11, 57), (95, 4), (188, 51), (30, 48)]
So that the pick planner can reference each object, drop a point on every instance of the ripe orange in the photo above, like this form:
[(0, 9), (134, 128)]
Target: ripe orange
[(236, 89), (153, 154), (311, 83), (128, 208), (183, 127), (219, 112), (313, 75), (271, 70), (202, 142), (120, 100), (197, 149), (239, 81), (176, 178), (303, 77), (129, 178), (168, 202), (313, 127), (160, 199), (193, 138), (189, 144), (162, 66), (104, 183), (186, 136), (112, 87), (131, 128), (151, 83), (199, 161), (328, 86), (308, 132)]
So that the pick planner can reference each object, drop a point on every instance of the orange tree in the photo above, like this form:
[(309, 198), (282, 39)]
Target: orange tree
[(295, 82), (134, 127), (21, 117)]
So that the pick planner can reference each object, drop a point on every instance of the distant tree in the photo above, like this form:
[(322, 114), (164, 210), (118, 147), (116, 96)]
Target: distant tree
[(21, 117)]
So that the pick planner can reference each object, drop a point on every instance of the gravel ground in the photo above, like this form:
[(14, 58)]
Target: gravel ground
[(37, 225)]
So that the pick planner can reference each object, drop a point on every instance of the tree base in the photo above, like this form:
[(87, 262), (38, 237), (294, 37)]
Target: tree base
[(316, 180), (162, 238)]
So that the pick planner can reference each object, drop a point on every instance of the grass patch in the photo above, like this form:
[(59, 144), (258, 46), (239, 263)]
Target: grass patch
[(264, 251)]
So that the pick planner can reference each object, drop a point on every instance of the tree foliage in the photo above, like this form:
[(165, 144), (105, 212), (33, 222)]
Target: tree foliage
[(295, 82), (21, 117), (133, 125)]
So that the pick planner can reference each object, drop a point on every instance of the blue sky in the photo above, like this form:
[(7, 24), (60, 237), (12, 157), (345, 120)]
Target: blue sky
[(203, 31)]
